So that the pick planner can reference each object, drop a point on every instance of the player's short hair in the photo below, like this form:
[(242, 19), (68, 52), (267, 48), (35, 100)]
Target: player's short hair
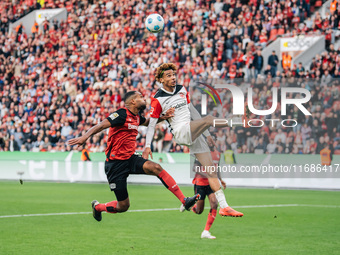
[(128, 95), (164, 67)]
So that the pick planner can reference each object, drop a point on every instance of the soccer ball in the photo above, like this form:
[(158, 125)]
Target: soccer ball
[(154, 23)]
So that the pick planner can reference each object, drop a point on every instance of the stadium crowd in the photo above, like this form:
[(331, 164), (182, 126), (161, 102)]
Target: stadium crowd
[(67, 76)]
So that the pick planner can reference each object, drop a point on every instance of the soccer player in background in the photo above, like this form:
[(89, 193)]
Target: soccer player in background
[(201, 187), (121, 159), (185, 131)]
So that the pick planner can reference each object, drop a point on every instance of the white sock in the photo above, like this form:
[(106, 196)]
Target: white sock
[(221, 198)]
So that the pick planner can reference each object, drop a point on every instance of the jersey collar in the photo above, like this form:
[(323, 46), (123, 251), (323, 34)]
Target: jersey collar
[(171, 93)]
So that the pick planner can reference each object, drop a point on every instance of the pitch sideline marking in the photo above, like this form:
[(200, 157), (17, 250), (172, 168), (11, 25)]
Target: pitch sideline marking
[(170, 158), (168, 209), (267, 159), (69, 157)]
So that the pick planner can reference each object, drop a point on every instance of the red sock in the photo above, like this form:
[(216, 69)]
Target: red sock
[(109, 207), (171, 185), (211, 218)]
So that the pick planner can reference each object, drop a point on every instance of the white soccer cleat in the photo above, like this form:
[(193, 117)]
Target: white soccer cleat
[(182, 208), (206, 234), (189, 202)]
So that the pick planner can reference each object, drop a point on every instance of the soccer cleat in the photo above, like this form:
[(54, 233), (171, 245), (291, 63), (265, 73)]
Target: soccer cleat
[(206, 234), (96, 214), (189, 202), (182, 208), (228, 211)]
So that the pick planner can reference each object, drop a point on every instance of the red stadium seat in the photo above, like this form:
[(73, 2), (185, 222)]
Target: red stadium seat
[(318, 4)]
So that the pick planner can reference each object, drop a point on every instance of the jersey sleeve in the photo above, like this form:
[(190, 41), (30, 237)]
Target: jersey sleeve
[(156, 108), (142, 119), (117, 118)]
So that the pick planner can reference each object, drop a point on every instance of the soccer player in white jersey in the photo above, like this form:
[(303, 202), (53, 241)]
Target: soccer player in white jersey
[(185, 131)]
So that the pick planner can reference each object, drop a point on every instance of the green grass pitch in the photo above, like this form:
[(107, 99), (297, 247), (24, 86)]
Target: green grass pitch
[(310, 225)]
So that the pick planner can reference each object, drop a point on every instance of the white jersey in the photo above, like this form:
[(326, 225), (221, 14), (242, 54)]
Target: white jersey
[(164, 100), (180, 123)]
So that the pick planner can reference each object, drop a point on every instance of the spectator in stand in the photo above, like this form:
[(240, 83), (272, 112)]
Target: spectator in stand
[(75, 71), (271, 147), (258, 63), (273, 60)]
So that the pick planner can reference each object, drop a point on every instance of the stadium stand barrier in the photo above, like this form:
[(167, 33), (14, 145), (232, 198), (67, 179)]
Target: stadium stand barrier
[(323, 9), (306, 56), (67, 167), (39, 16)]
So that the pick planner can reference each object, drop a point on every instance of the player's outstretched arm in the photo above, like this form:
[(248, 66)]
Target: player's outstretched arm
[(149, 136), (92, 131), (151, 123), (169, 114)]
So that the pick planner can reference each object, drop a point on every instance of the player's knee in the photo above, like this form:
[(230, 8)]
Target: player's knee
[(125, 207), (157, 169), (211, 173), (199, 211)]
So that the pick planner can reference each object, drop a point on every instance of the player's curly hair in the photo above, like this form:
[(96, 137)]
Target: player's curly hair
[(164, 67)]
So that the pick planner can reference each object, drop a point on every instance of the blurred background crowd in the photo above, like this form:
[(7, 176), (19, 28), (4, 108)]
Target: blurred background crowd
[(59, 80)]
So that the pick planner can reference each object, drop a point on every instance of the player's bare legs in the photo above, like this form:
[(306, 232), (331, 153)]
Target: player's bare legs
[(206, 161), (199, 208), (153, 168), (197, 127), (110, 207), (123, 206), (213, 201)]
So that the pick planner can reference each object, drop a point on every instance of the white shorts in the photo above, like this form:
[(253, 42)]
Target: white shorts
[(182, 135)]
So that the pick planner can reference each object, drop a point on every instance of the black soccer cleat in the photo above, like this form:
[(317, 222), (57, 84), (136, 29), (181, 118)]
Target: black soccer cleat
[(96, 214), (189, 202)]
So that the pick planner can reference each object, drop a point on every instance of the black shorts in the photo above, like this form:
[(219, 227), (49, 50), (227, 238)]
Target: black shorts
[(203, 191), (117, 172)]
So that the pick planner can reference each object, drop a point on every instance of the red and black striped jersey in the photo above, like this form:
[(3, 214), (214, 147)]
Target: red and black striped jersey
[(122, 142)]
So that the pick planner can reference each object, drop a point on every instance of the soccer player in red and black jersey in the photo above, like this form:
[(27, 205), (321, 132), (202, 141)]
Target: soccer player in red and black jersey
[(121, 159), (202, 187)]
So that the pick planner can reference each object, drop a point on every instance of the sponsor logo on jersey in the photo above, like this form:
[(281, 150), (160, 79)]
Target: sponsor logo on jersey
[(130, 126), (113, 185), (181, 94), (180, 105), (114, 115)]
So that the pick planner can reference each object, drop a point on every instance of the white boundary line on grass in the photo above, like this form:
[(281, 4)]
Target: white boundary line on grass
[(167, 209), (69, 157)]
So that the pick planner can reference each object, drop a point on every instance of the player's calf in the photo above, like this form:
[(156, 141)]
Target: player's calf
[(122, 206), (198, 208)]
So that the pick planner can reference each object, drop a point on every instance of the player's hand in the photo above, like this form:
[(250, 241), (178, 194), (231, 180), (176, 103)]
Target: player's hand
[(147, 151), (169, 114), (211, 141), (77, 141), (224, 185)]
